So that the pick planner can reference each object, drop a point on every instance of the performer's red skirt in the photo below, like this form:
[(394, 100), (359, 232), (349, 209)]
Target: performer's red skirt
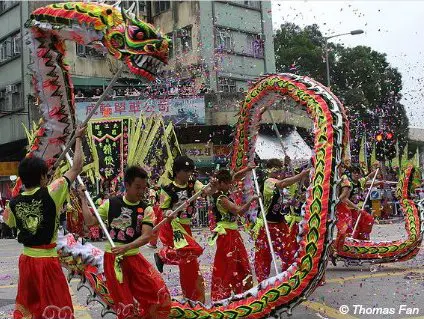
[(142, 294), (191, 279), (365, 224), (344, 222), (43, 291), (285, 245), (231, 270)]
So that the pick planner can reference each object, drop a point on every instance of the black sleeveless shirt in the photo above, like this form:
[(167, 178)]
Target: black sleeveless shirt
[(125, 221), (36, 217), (180, 194)]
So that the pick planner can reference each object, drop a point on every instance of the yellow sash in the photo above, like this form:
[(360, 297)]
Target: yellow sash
[(117, 264), (220, 230), (179, 232), (39, 252), (256, 229), (292, 219)]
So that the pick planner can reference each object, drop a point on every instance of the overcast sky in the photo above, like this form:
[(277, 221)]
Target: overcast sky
[(392, 27)]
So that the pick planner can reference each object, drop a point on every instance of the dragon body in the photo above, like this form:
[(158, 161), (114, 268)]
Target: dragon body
[(143, 50)]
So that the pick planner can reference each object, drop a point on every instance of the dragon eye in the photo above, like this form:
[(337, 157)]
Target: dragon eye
[(135, 33), (149, 48)]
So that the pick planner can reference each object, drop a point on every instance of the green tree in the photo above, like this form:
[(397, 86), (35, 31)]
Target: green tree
[(361, 77)]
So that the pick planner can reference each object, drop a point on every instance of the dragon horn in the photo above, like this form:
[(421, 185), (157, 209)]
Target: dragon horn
[(131, 9), (117, 3)]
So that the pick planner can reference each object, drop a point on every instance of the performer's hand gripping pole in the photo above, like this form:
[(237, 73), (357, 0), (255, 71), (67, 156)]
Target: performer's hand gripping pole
[(268, 235), (93, 111), (180, 208), (365, 200), (90, 201)]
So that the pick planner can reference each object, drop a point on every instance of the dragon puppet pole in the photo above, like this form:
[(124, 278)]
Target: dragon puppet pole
[(365, 200), (90, 201), (180, 208), (261, 205), (280, 138), (94, 110)]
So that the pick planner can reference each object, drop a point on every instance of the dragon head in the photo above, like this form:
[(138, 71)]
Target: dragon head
[(143, 48)]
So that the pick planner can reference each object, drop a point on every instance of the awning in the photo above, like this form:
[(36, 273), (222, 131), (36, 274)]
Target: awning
[(13, 151), (268, 147)]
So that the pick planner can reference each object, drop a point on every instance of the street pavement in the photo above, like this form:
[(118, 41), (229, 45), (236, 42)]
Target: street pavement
[(392, 290)]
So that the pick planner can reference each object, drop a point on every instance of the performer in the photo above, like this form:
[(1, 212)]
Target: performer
[(358, 186), (344, 211), (276, 208), (343, 215), (136, 288), (154, 202), (231, 271), (42, 287), (180, 248)]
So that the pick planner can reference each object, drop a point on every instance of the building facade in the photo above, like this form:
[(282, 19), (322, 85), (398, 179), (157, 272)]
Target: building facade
[(218, 47), (221, 44)]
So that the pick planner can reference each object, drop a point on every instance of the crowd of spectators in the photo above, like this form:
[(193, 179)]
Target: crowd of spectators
[(147, 91)]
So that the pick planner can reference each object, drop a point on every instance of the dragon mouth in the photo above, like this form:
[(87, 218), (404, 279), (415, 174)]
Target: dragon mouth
[(149, 64)]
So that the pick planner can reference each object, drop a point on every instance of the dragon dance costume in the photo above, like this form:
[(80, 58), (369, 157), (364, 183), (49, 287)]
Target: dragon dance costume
[(283, 236), (231, 270), (366, 221), (346, 216), (179, 246), (43, 291), (137, 289)]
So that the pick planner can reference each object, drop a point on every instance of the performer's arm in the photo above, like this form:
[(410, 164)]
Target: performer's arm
[(291, 180), (89, 218), (241, 173), (344, 198), (233, 208), (207, 191), (78, 160)]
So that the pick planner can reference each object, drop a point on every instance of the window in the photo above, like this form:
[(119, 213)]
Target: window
[(257, 45), (141, 6), (224, 40), (16, 97), (183, 41), (252, 4), (6, 5), (227, 85), (86, 51), (161, 6), (16, 44), (10, 47), (10, 97), (3, 100)]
